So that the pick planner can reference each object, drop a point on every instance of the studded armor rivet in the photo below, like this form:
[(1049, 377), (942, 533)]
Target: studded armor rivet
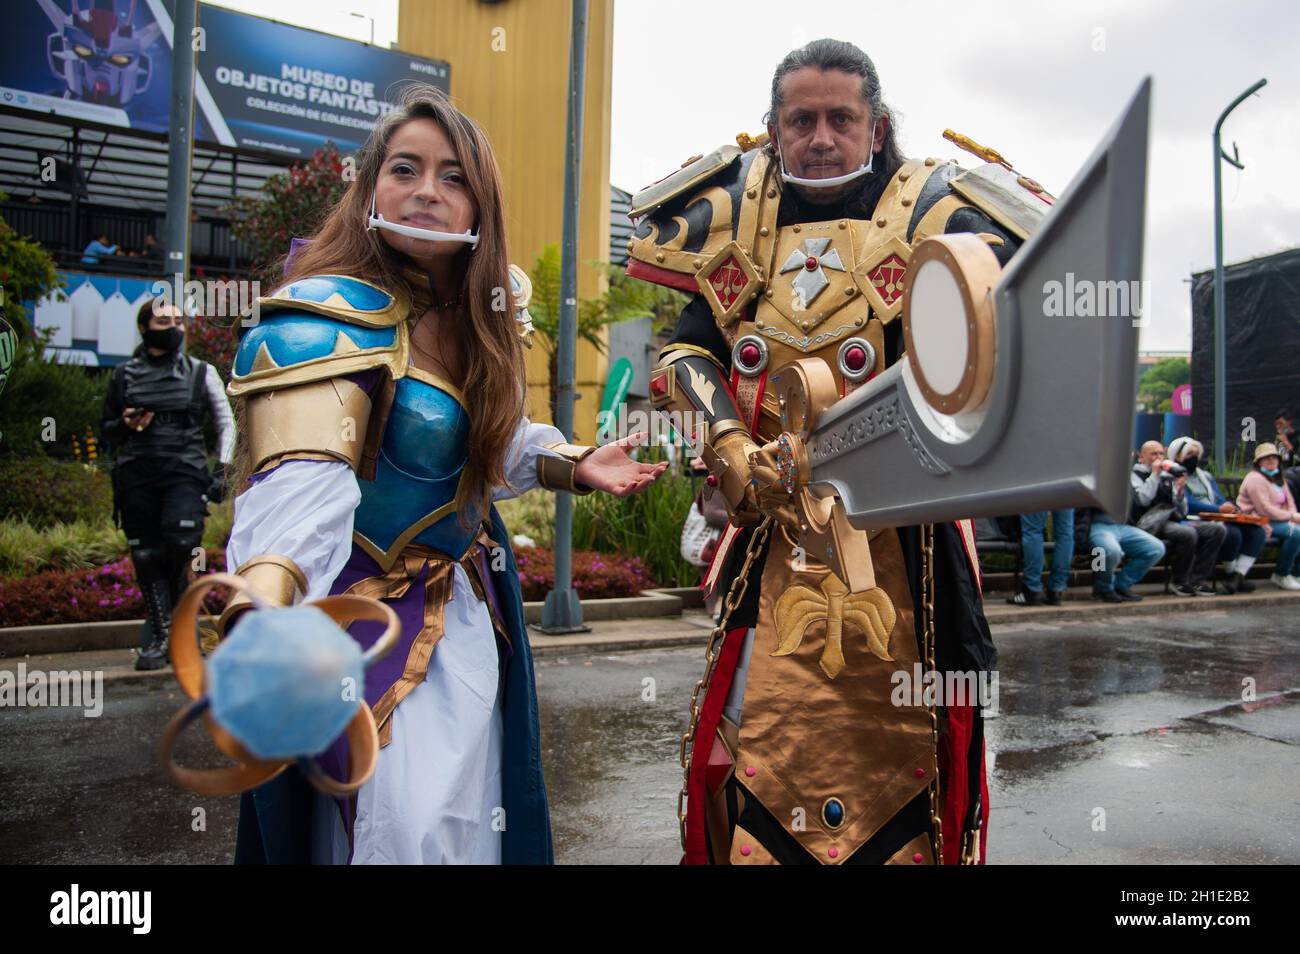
[(903, 176), (880, 222), (905, 202), (752, 193), (771, 193), (696, 263), (848, 292), (797, 229), (763, 230), (929, 162), (843, 224), (659, 256)]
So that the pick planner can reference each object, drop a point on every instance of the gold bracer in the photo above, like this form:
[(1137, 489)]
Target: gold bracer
[(556, 472), (277, 580), (324, 419)]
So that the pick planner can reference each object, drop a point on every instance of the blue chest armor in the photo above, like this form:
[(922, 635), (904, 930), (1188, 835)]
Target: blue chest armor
[(421, 457)]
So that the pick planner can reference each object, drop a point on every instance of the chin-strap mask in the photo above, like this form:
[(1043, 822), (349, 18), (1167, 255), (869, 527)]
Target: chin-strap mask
[(834, 180), (376, 221)]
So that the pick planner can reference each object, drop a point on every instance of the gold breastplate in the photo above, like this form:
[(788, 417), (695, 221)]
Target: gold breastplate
[(828, 288)]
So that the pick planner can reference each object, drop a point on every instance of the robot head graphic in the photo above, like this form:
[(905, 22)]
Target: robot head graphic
[(98, 52)]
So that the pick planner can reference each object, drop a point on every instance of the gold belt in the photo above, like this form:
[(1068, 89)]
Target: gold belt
[(438, 588)]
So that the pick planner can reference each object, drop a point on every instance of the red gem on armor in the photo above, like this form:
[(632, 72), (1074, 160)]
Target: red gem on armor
[(659, 386), (745, 850), (920, 773), (810, 263), (833, 852), (711, 480), (855, 358), (918, 857), (750, 355)]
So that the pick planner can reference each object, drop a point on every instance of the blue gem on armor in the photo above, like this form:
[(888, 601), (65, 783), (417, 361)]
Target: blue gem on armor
[(833, 813)]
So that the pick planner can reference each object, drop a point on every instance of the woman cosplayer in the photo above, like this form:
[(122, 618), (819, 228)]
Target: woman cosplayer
[(381, 395)]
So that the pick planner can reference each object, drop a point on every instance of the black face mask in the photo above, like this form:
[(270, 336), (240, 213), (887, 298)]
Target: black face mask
[(165, 339), (1191, 463)]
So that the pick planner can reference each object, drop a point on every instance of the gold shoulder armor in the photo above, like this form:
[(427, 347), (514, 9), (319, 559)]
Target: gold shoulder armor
[(1013, 201)]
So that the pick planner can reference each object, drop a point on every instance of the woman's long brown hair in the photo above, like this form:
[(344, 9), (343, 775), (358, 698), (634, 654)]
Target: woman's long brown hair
[(492, 360)]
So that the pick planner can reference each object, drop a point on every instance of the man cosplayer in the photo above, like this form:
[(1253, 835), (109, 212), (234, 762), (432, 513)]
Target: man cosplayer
[(796, 246)]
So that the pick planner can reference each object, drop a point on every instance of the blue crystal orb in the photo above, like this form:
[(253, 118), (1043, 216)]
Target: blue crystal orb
[(286, 682)]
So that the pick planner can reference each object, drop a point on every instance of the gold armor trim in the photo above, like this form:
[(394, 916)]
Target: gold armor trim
[(670, 352), (691, 173), (1011, 200), (277, 580), (975, 270), (336, 306), (346, 358), (754, 217), (327, 417), (557, 473), (747, 850), (920, 845), (439, 382), (718, 284), (387, 558)]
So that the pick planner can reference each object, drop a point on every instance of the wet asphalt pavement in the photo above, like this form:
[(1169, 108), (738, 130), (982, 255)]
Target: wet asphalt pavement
[(1117, 740)]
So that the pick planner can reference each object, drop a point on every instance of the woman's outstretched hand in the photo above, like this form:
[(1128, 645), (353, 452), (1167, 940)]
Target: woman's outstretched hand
[(609, 468)]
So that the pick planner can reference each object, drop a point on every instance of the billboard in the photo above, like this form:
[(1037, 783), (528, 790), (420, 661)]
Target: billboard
[(258, 84)]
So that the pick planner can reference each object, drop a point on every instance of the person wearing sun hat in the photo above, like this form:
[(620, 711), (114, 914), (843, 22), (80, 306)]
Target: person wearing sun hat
[(1264, 492)]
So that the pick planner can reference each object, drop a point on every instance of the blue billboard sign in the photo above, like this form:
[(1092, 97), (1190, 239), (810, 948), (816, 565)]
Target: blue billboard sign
[(258, 85)]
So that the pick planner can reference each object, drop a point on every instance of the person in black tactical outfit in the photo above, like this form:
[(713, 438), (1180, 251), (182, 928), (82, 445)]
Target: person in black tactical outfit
[(153, 416)]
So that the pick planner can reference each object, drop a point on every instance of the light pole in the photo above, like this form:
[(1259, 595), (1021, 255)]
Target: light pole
[(180, 141), (1220, 345), (562, 612)]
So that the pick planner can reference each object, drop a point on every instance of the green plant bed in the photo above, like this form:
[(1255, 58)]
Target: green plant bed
[(44, 491), (26, 549), (648, 524)]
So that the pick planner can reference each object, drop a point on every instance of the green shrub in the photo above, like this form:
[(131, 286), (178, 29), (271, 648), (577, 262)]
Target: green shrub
[(26, 549), (216, 530), (532, 514), (44, 491), (45, 404), (647, 525)]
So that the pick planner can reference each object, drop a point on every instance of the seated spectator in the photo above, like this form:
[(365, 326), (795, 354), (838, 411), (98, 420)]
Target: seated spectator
[(1265, 492), (1288, 451), (98, 246), (1161, 509), (1243, 541), (153, 249), (1139, 550), (1032, 526)]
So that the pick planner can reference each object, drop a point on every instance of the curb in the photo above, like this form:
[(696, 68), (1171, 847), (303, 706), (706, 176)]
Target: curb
[(125, 633)]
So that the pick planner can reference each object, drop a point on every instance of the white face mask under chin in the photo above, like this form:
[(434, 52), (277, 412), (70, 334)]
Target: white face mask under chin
[(375, 221), (834, 180)]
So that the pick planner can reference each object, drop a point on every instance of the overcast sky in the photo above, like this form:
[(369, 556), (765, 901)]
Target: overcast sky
[(1040, 82)]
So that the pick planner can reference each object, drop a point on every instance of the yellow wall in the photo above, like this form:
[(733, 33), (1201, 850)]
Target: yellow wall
[(518, 94)]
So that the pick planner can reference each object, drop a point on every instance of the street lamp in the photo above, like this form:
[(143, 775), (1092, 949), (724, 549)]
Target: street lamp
[(1220, 388), (561, 611)]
